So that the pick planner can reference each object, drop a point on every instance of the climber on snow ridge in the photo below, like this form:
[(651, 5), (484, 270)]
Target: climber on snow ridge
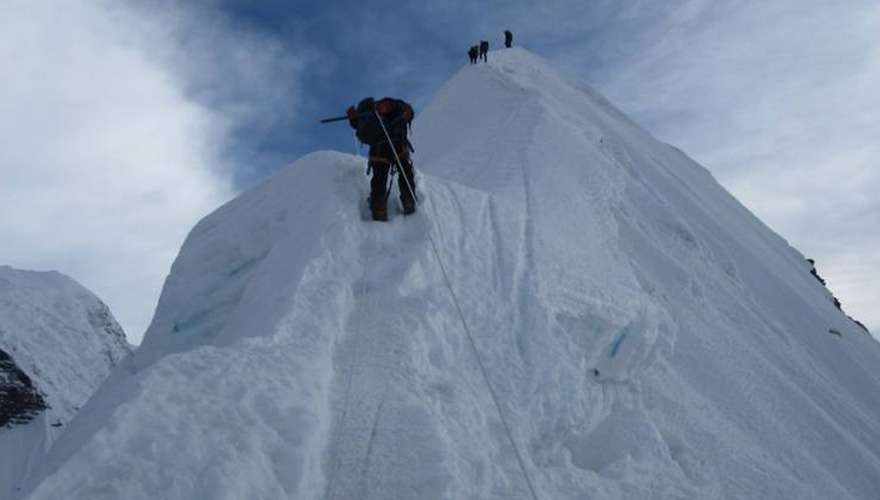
[(396, 115)]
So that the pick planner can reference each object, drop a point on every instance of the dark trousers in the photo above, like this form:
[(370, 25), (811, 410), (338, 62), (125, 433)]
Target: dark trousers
[(381, 161)]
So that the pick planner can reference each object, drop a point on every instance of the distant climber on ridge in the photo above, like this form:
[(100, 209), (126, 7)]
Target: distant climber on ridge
[(508, 38), (473, 54), (396, 115), (484, 49)]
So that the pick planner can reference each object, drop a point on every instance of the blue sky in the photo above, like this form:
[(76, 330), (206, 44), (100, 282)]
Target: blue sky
[(351, 49), (128, 121)]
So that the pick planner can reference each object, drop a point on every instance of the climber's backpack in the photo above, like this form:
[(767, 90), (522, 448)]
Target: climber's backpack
[(393, 113)]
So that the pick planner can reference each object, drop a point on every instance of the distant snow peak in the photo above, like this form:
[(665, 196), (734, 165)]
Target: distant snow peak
[(58, 343)]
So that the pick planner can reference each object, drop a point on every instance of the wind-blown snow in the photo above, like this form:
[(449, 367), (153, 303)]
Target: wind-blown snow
[(645, 335), (61, 340)]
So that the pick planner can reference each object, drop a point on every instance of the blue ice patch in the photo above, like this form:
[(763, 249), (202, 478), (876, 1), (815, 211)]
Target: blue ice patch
[(616, 345)]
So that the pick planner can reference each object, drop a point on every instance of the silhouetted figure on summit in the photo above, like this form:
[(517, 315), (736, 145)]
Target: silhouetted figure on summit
[(484, 49), (473, 53), (508, 39)]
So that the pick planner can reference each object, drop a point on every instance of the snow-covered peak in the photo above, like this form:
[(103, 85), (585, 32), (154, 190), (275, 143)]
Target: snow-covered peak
[(576, 311), (58, 333), (58, 342)]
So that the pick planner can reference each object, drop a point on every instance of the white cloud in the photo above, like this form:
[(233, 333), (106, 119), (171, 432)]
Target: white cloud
[(115, 124)]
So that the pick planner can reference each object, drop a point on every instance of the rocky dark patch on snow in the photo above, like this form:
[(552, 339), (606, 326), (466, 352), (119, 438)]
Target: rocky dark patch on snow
[(20, 401), (860, 325), (834, 299)]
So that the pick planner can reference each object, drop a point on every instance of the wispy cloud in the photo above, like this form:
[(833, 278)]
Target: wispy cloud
[(119, 127)]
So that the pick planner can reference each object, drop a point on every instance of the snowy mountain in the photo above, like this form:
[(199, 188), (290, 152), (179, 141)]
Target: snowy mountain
[(576, 311), (58, 342)]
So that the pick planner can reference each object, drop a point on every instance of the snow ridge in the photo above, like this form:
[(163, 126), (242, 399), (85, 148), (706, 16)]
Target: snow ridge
[(644, 334)]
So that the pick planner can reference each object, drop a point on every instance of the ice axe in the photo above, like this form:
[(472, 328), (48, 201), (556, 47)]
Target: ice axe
[(335, 119), (365, 114), (344, 117)]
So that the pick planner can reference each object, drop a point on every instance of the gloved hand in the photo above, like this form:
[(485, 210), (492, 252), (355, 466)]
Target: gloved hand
[(352, 116)]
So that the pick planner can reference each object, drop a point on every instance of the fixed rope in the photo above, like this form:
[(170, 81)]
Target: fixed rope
[(448, 282)]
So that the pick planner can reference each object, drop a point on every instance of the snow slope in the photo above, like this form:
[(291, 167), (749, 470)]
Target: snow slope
[(58, 342), (618, 326)]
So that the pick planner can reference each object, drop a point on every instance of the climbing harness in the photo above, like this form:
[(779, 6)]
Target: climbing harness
[(467, 329), (396, 156)]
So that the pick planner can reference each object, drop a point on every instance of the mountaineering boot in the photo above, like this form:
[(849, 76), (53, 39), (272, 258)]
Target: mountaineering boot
[(405, 182), (409, 206), (377, 206)]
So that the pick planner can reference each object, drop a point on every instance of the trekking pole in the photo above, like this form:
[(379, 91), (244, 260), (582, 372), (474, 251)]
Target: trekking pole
[(401, 171)]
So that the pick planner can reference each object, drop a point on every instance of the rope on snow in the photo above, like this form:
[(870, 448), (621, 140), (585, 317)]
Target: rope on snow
[(467, 329)]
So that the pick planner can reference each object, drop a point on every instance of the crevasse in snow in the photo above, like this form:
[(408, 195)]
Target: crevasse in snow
[(645, 335)]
